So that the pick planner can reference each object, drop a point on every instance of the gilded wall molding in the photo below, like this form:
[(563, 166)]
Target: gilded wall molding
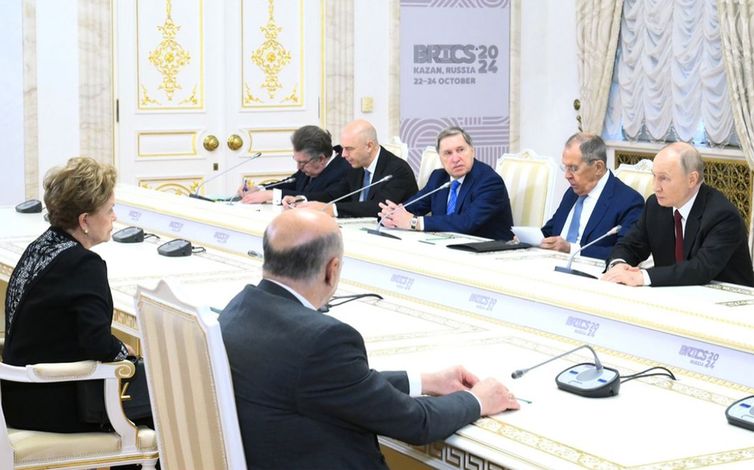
[(732, 177)]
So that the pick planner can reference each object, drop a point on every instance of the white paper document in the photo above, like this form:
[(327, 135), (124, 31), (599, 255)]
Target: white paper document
[(530, 235)]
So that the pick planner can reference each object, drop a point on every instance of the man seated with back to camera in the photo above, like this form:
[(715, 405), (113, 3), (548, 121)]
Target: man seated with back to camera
[(694, 234), (595, 202), (319, 167), (305, 394), (476, 203), (370, 162)]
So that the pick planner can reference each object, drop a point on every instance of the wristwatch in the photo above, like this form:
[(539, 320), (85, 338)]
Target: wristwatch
[(414, 221)]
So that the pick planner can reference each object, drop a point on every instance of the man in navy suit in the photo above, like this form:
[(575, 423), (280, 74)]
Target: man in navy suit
[(475, 203), (595, 202), (370, 162), (318, 168), (305, 394), (694, 234)]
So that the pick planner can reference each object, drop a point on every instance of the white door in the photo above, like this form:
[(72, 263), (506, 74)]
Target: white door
[(204, 85)]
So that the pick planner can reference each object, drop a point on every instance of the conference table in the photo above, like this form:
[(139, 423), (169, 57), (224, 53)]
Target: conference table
[(493, 312)]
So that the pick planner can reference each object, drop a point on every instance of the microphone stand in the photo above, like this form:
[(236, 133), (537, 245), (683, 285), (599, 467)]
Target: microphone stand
[(377, 231), (385, 178), (196, 194), (567, 268)]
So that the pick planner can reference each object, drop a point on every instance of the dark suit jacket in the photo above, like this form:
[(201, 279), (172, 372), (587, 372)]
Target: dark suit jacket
[(333, 173), (62, 312), (398, 189), (715, 243), (618, 204), (482, 207), (306, 396)]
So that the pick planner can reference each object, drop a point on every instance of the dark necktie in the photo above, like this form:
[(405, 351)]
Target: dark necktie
[(365, 192), (678, 237)]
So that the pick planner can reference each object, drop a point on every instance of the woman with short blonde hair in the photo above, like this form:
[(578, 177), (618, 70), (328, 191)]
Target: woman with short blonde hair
[(59, 308)]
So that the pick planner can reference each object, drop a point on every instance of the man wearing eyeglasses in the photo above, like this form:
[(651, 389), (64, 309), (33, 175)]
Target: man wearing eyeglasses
[(595, 202), (318, 168), (371, 164)]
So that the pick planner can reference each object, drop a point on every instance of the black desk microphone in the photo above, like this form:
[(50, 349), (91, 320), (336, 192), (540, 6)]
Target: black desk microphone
[(377, 231), (585, 379), (374, 183), (567, 267)]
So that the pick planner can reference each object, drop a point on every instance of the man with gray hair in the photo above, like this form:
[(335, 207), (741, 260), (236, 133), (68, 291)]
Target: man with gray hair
[(694, 234), (370, 162), (305, 394), (595, 202), (318, 168), (476, 201)]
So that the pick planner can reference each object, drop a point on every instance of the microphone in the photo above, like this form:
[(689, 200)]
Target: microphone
[(196, 194), (290, 179), (585, 379), (377, 231), (374, 183), (567, 267)]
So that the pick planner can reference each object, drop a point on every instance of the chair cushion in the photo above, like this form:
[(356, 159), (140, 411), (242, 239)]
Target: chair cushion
[(37, 446)]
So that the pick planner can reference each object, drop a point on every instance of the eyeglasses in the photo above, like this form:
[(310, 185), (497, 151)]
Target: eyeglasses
[(572, 168), (304, 163)]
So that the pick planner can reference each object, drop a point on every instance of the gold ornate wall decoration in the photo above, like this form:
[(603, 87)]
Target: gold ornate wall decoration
[(292, 97), (191, 99), (145, 99), (248, 96), (169, 57), (732, 177), (180, 186), (271, 57)]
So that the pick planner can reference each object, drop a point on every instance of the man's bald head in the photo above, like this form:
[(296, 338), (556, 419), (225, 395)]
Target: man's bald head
[(362, 129), (359, 141), (686, 154), (299, 243)]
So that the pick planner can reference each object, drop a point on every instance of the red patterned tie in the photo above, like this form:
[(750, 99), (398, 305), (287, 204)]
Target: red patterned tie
[(678, 237)]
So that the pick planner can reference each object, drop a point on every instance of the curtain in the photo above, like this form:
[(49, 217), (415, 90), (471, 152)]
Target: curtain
[(670, 78), (737, 34), (597, 28)]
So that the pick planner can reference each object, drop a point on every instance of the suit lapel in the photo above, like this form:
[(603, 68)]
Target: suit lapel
[(463, 193), (441, 197), (694, 221), (379, 171), (600, 209)]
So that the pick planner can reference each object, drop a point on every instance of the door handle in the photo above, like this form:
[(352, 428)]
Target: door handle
[(234, 142), (210, 143)]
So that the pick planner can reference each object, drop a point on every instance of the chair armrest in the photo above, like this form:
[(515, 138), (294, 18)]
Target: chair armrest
[(80, 370)]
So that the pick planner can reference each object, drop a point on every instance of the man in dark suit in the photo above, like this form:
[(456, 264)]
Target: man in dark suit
[(694, 234), (599, 199), (305, 394), (476, 202), (318, 168), (370, 163)]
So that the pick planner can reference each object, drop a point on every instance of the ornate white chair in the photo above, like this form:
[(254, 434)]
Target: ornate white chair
[(398, 148), (638, 176), (190, 386), (430, 162), (530, 180), (22, 449)]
